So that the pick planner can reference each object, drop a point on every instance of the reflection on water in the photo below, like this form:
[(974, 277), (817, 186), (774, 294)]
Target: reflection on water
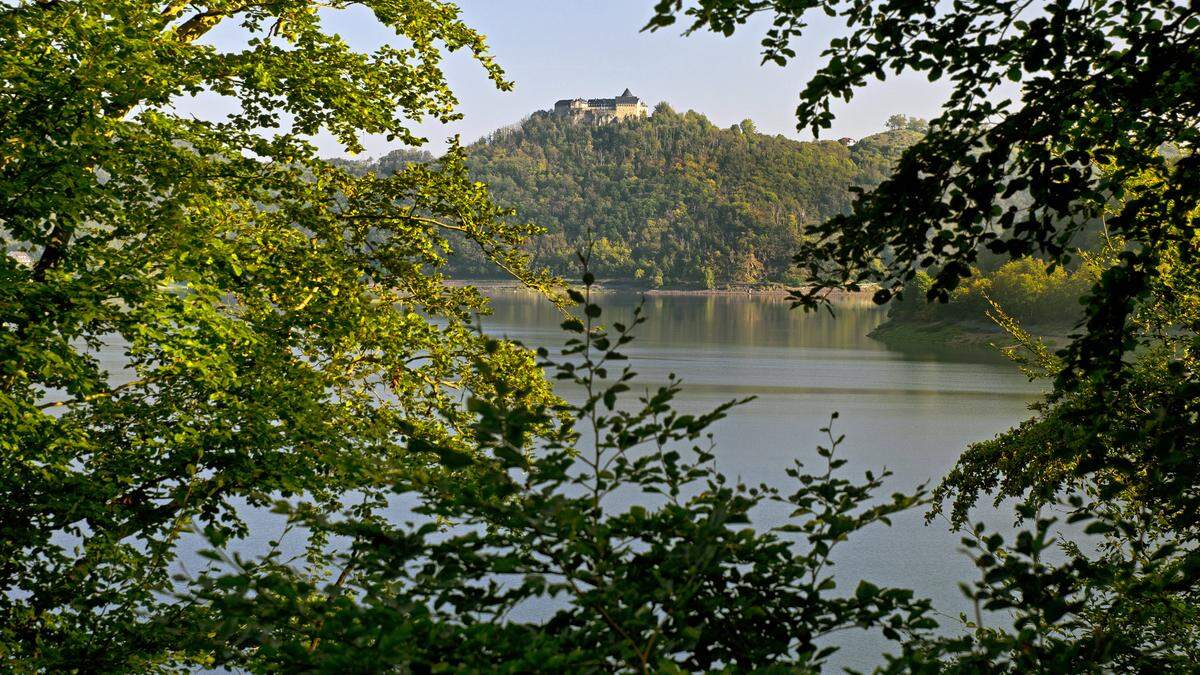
[(910, 414), (759, 345), (728, 320)]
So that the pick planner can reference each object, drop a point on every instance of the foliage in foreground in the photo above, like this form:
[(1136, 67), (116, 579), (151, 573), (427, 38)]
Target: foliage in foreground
[(615, 538), (614, 545), (1105, 87), (1105, 445), (289, 338), (209, 316)]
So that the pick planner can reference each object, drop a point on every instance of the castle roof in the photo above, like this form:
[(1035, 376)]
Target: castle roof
[(627, 92)]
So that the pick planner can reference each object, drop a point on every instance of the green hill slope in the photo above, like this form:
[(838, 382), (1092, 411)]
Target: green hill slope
[(669, 200)]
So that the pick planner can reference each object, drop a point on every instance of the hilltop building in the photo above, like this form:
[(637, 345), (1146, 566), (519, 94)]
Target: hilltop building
[(622, 107)]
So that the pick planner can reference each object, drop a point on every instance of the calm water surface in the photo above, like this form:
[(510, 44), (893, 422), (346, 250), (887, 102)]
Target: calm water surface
[(907, 413)]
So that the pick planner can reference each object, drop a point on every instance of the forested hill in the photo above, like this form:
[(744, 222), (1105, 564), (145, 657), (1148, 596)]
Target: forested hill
[(672, 199)]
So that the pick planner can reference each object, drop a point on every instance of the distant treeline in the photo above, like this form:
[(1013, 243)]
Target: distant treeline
[(671, 200), (1027, 289)]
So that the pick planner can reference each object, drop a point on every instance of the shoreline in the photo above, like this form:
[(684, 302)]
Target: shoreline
[(774, 292), (940, 335)]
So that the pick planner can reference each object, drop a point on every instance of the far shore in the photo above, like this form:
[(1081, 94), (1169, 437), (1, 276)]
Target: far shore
[(609, 286)]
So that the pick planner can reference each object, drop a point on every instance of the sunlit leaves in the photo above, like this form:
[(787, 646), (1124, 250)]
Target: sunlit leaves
[(214, 317)]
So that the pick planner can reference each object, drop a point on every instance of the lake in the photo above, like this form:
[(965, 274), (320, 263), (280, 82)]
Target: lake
[(910, 413)]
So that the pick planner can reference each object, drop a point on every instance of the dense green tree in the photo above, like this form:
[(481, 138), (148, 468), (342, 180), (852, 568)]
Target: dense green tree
[(904, 122), (200, 316)]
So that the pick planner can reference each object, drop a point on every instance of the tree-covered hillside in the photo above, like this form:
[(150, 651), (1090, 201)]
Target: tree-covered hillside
[(669, 200)]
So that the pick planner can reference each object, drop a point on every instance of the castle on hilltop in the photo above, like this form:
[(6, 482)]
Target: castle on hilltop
[(622, 107)]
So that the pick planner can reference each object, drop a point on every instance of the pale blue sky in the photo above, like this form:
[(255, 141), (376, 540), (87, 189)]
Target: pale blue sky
[(556, 49)]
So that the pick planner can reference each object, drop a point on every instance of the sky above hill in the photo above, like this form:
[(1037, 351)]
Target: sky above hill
[(554, 49)]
